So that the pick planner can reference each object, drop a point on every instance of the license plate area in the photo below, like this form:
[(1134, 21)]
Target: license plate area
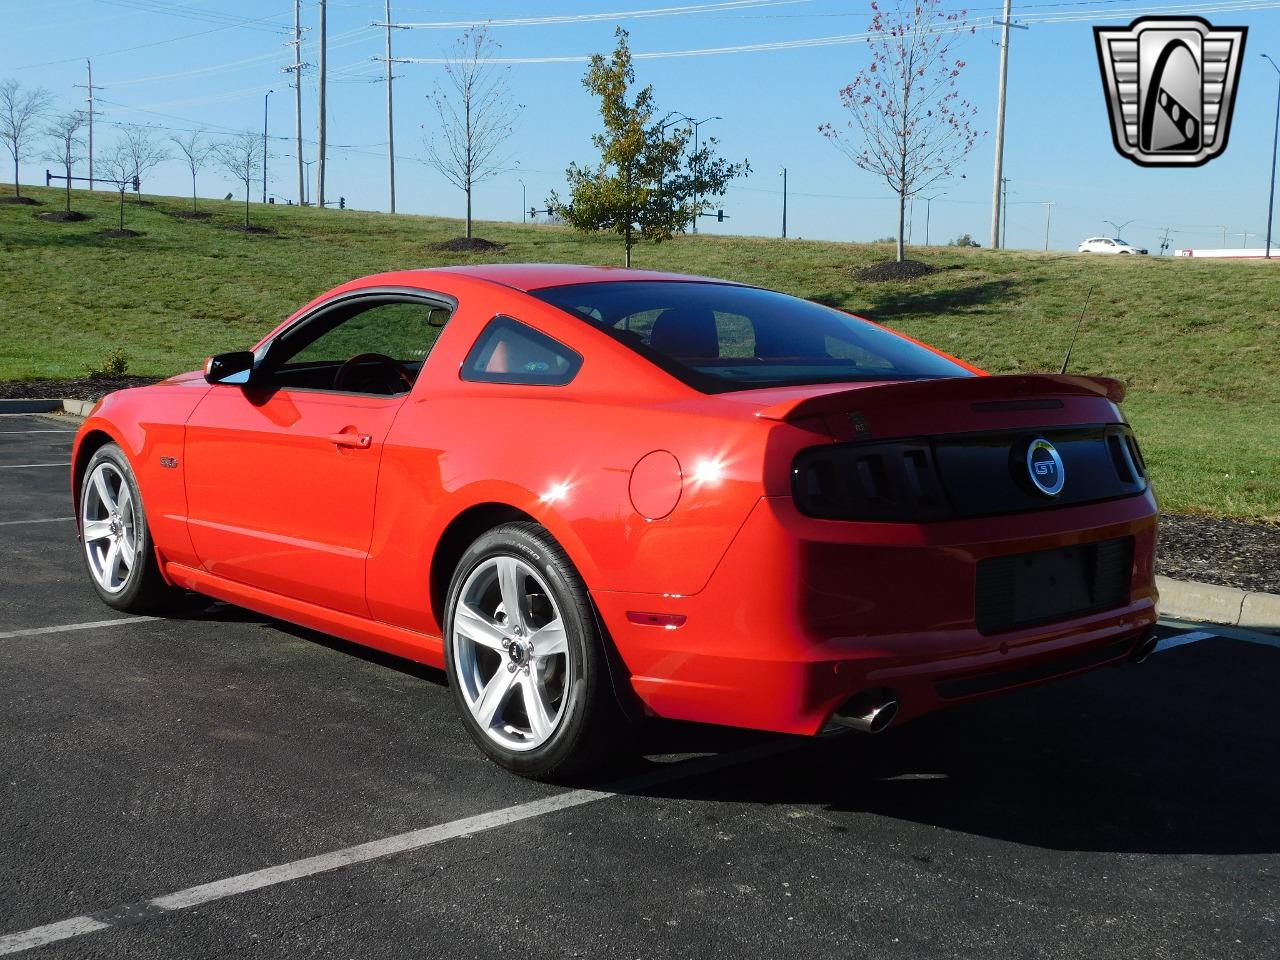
[(1026, 589)]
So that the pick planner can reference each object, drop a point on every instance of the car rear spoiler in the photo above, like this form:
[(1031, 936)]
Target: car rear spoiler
[(1008, 388)]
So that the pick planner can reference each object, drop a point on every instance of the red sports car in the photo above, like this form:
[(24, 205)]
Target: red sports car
[(595, 494)]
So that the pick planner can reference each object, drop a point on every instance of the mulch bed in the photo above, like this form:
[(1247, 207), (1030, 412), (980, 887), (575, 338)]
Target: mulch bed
[(64, 216), (470, 245), (893, 270), (85, 388), (1232, 553), (25, 201), (190, 214)]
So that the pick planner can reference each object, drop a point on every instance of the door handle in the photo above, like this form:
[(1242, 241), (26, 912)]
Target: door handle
[(360, 441)]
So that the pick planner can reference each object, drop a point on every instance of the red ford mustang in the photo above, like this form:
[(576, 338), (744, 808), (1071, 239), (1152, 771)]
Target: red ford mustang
[(591, 494)]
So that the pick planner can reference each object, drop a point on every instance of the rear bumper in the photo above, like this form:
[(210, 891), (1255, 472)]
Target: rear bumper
[(801, 614)]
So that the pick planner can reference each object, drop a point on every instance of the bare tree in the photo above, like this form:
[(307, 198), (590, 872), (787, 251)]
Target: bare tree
[(66, 148), (196, 150), (912, 126), (241, 157), (119, 167), (477, 114), (20, 110), (143, 151)]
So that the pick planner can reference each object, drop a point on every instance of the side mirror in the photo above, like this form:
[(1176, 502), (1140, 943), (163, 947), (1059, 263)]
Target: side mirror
[(232, 367)]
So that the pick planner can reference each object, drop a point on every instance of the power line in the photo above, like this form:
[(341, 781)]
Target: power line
[(593, 17)]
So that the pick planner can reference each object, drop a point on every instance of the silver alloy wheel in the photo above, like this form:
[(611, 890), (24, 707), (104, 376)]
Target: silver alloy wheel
[(510, 653), (108, 526)]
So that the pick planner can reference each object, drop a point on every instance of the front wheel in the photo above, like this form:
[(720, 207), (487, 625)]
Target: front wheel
[(118, 551), (525, 658)]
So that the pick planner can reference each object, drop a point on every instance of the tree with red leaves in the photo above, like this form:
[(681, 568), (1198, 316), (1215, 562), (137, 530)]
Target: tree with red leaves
[(910, 126)]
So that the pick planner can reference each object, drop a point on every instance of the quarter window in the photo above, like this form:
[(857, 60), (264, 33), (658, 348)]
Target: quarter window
[(509, 351)]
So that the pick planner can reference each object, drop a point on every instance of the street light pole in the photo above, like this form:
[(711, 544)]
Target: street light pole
[(784, 203), (1119, 226), (697, 167), (306, 182), (1275, 137), (265, 100), (928, 213), (524, 201)]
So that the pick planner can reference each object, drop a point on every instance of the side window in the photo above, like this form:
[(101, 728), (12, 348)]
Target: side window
[(391, 336), (508, 351)]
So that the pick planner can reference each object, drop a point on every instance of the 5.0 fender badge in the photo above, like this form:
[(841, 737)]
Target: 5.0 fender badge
[(1170, 84), (169, 463)]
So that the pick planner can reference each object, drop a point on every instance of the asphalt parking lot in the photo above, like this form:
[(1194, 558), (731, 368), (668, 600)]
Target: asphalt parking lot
[(222, 784)]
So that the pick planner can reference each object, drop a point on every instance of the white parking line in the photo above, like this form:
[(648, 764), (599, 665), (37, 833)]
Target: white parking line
[(14, 523), (373, 850), (24, 466), (70, 627), (1182, 639)]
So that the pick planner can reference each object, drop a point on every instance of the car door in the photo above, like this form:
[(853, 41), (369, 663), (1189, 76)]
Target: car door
[(282, 471)]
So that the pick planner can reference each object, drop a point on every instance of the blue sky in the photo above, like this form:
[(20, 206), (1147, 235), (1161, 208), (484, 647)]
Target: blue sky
[(204, 63)]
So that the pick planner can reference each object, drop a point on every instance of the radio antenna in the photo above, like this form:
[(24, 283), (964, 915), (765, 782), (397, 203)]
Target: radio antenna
[(1071, 346)]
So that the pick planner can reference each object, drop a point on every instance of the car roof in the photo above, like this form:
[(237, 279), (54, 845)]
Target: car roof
[(539, 276)]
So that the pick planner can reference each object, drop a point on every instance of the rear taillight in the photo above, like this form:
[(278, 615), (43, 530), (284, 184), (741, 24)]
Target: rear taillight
[(890, 482)]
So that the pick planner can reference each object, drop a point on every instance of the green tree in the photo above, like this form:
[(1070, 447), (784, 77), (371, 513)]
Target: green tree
[(638, 189)]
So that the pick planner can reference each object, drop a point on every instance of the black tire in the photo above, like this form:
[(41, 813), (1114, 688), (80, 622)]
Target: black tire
[(144, 590), (593, 727)]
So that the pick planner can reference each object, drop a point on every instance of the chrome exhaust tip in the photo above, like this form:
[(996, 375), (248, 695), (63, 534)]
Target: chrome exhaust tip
[(871, 711), (1144, 648)]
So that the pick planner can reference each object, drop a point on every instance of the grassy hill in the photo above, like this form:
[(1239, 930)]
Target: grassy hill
[(1198, 342)]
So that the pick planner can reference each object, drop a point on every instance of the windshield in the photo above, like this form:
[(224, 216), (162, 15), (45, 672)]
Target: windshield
[(717, 337)]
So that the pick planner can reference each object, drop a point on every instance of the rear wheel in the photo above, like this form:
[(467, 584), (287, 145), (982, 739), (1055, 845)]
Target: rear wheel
[(525, 657), (118, 551)]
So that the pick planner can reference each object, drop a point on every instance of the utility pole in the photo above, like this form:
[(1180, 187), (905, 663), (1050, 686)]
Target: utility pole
[(784, 203), (265, 100), (1245, 235), (1004, 82), (1224, 237), (320, 107), (524, 201), (1048, 213), (1275, 139), (1005, 24), (1164, 241), (391, 131), (1002, 237), (296, 69), (89, 88)]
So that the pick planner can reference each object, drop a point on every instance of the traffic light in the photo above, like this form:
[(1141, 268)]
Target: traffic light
[(720, 215), (342, 203)]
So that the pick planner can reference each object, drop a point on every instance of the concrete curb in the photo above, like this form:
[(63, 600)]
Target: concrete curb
[(1211, 603), (79, 408), (1183, 599)]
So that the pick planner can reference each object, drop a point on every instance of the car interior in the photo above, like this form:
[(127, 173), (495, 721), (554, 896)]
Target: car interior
[(373, 346)]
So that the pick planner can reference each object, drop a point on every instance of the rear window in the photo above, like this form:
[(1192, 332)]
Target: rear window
[(718, 337)]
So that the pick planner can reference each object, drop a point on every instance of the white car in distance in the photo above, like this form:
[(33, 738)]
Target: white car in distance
[(1108, 245)]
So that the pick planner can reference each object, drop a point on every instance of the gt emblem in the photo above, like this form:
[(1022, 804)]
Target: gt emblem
[(1170, 85), (1044, 467)]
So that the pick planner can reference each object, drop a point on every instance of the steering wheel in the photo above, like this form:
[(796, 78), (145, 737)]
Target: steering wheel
[(348, 369)]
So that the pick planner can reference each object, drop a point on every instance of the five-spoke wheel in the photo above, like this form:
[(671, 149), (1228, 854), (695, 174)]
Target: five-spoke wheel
[(525, 656), (117, 542), (510, 653)]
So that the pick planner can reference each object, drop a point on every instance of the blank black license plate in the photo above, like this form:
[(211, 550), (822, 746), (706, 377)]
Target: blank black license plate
[(1048, 585)]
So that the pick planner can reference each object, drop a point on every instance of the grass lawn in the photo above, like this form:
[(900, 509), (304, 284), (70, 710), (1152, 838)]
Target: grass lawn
[(1197, 342)]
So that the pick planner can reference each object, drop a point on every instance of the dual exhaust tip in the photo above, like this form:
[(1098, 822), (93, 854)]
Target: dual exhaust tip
[(871, 711)]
